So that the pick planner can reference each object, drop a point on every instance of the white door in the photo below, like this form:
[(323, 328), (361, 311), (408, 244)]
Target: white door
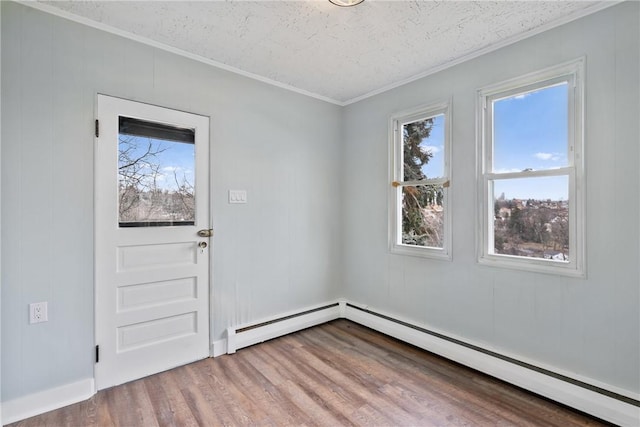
[(152, 266)]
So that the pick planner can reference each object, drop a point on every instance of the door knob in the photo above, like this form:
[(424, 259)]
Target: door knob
[(202, 245), (207, 232)]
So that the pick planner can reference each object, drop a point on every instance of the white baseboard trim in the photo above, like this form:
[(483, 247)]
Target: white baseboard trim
[(583, 399), (245, 335), (572, 395), (47, 400), (218, 348)]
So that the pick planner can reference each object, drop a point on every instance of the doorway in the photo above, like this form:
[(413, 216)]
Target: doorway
[(152, 239)]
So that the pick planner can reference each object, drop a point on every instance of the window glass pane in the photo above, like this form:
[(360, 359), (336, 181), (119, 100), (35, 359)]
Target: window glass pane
[(423, 149), (155, 174), (530, 130), (531, 217), (423, 215)]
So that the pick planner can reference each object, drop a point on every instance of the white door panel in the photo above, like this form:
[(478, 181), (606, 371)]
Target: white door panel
[(152, 277)]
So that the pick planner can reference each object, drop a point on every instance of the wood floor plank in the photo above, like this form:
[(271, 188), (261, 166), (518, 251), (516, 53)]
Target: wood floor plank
[(103, 416), (129, 405), (313, 383), (372, 374), (274, 396), (242, 392), (168, 401), (335, 374), (206, 400)]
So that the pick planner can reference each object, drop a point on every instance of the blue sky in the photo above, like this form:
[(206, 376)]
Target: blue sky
[(177, 157), (435, 144), (530, 132), (541, 188)]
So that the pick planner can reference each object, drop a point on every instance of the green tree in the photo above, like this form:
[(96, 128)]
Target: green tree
[(415, 156), (415, 198)]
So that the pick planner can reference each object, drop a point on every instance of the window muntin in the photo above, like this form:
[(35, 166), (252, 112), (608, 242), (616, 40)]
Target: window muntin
[(156, 172), (531, 170), (420, 217)]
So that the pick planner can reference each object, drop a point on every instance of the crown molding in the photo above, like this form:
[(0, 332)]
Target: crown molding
[(149, 42), (162, 46)]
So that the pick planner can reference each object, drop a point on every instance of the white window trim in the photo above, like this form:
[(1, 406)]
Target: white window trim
[(573, 72), (395, 173)]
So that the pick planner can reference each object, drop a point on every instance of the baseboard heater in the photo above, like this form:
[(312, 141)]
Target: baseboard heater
[(246, 335), (597, 401), (506, 358), (605, 404)]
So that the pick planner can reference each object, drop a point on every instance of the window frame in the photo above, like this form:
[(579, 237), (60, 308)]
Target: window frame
[(573, 74), (396, 142)]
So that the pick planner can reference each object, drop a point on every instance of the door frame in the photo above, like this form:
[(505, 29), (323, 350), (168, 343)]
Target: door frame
[(209, 160)]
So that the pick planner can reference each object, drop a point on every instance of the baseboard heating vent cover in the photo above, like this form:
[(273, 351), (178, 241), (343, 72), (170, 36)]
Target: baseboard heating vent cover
[(245, 335)]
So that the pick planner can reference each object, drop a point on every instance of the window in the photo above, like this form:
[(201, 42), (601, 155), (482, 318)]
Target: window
[(419, 209), (531, 172), (156, 164)]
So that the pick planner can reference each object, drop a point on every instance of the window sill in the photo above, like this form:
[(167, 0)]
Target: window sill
[(422, 252), (533, 265)]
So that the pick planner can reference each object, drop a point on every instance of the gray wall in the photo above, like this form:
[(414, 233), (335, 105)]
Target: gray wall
[(315, 227), (274, 254), (0, 216), (589, 327)]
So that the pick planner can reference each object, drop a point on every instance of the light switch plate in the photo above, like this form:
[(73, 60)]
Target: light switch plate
[(237, 196)]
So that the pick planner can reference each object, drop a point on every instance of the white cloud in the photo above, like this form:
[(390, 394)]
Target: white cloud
[(549, 156), (544, 156)]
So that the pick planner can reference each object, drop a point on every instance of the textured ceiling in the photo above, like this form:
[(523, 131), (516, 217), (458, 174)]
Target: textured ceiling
[(340, 54)]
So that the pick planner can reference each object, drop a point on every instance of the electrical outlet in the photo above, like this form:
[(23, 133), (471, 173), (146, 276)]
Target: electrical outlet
[(38, 312)]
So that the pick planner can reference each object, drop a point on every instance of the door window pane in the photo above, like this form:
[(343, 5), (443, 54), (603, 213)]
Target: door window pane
[(156, 171)]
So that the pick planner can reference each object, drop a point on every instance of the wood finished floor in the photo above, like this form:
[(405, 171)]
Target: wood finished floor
[(336, 374)]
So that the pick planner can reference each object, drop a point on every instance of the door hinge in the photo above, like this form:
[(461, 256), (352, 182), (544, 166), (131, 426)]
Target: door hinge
[(97, 128), (97, 353)]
